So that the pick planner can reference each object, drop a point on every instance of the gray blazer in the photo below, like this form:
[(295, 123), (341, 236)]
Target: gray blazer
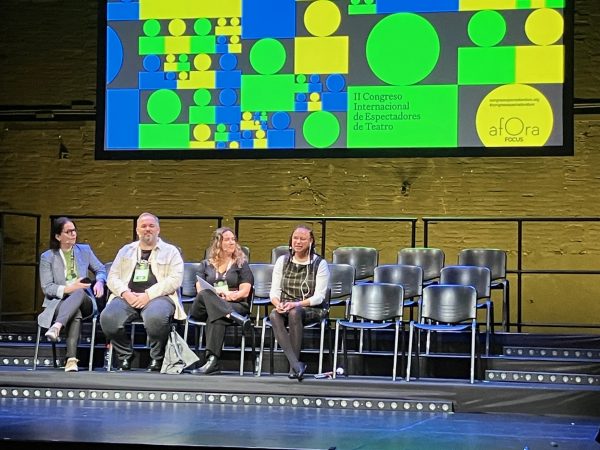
[(52, 276)]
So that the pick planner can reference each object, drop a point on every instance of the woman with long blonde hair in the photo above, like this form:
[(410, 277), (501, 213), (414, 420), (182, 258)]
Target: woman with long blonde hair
[(224, 284)]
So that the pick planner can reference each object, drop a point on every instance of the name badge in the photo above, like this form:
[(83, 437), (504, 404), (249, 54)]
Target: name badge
[(142, 272), (221, 287)]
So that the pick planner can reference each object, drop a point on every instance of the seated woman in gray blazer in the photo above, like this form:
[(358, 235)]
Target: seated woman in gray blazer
[(64, 279)]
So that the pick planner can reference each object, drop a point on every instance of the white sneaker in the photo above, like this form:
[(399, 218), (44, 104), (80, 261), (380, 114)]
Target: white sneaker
[(71, 365), (53, 333)]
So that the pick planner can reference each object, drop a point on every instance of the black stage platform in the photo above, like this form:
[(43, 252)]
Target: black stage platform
[(536, 392)]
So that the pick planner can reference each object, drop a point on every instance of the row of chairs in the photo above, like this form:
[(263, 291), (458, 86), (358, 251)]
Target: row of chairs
[(343, 278)]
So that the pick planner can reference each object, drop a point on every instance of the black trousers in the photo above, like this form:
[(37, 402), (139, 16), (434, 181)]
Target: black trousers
[(69, 313), (210, 308)]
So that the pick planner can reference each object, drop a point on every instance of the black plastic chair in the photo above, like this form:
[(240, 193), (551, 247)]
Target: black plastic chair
[(430, 259), (449, 306), (495, 260), (263, 276), (410, 277), (479, 278), (341, 280), (363, 259), (278, 251), (93, 316), (188, 286), (374, 306)]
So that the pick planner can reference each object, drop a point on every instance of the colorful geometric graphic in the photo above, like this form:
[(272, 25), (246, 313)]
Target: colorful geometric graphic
[(207, 76)]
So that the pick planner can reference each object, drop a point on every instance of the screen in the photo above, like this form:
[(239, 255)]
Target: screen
[(325, 78)]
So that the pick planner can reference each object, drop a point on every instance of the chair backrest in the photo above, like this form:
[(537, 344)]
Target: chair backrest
[(449, 303), (188, 286), (263, 275), (377, 301), (410, 277), (492, 258), (341, 280), (478, 277), (278, 251), (245, 249), (363, 259), (430, 259)]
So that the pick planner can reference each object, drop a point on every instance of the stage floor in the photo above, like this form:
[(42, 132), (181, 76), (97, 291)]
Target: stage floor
[(54, 409), (139, 424)]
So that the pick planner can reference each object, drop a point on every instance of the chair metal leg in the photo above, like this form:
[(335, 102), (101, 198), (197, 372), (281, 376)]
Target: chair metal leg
[(243, 353), (37, 347), (92, 344), (110, 358), (472, 371), (335, 349), (395, 352), (409, 353), (262, 346), (321, 346)]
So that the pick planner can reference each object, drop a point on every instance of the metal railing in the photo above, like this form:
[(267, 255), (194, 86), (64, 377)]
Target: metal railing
[(520, 271), (325, 220)]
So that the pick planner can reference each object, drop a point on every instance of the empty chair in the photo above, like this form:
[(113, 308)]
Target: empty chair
[(430, 259), (263, 275), (374, 306), (341, 280), (278, 251), (479, 278), (188, 286), (363, 259), (446, 309), (495, 260), (410, 277)]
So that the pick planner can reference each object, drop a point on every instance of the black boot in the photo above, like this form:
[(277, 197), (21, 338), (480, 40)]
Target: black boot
[(210, 366)]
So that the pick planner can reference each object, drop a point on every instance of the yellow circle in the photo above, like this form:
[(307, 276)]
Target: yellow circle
[(314, 97), (222, 21), (202, 62), (260, 134), (247, 115), (235, 21), (322, 18), (514, 115), (170, 58), (202, 132), (177, 27), (183, 75), (544, 26), (234, 39), (234, 144)]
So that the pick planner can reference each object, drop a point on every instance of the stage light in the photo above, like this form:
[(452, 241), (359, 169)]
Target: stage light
[(541, 377)]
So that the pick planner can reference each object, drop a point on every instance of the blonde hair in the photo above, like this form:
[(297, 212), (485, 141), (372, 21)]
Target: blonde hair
[(215, 252)]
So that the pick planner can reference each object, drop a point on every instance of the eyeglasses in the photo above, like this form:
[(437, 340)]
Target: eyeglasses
[(70, 232)]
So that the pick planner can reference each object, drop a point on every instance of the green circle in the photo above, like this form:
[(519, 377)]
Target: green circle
[(267, 56), (403, 49), (151, 27), (301, 78), (202, 27), (164, 106), (321, 129), (183, 58), (202, 97), (487, 28), (221, 128)]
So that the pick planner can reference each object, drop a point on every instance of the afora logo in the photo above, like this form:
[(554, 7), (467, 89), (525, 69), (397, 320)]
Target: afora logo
[(514, 129)]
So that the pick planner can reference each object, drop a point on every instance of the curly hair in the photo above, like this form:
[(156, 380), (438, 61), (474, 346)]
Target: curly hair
[(215, 252)]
